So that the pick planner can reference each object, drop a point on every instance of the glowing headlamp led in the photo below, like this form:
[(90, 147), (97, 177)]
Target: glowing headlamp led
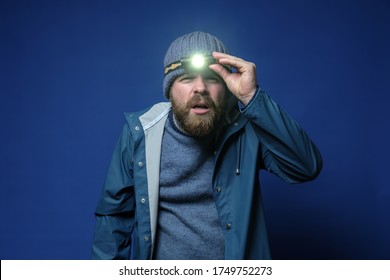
[(193, 63), (198, 61)]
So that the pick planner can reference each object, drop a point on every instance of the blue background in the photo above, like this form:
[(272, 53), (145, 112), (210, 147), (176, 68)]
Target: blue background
[(70, 68)]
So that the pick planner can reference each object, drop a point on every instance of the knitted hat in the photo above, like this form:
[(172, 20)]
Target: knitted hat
[(185, 46)]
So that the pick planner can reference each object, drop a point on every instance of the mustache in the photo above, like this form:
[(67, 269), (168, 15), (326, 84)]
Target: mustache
[(201, 99)]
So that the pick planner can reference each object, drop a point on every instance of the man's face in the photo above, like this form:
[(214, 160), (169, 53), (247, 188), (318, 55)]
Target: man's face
[(198, 101)]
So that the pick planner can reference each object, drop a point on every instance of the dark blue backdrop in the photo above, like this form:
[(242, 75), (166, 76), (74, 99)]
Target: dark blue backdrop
[(70, 68)]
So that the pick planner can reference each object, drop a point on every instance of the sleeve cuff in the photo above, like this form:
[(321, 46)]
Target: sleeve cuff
[(241, 105)]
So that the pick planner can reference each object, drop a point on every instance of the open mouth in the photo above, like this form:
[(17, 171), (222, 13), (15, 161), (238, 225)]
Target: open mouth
[(200, 108)]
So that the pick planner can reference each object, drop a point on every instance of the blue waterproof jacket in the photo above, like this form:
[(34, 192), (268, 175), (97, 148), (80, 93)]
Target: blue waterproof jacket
[(259, 136)]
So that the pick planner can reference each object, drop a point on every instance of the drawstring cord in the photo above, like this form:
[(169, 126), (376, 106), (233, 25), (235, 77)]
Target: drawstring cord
[(238, 156)]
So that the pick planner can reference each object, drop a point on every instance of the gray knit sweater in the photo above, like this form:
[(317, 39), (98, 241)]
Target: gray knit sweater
[(188, 224)]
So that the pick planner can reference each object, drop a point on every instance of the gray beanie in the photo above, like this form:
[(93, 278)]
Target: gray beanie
[(185, 46)]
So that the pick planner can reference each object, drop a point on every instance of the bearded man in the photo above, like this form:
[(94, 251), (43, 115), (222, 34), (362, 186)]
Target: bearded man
[(184, 181)]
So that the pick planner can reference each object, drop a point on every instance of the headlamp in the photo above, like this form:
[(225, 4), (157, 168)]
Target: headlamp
[(197, 62)]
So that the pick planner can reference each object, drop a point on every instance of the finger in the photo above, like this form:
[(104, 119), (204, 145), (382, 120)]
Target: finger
[(230, 60), (219, 55)]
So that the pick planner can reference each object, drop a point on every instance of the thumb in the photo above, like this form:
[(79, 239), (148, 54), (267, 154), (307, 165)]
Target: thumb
[(221, 71)]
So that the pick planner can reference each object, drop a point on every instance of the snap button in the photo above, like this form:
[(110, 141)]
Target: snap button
[(146, 238), (228, 226), (143, 200), (140, 164), (218, 189), (136, 128)]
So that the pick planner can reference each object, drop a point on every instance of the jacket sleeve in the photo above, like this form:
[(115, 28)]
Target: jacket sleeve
[(115, 209), (287, 150)]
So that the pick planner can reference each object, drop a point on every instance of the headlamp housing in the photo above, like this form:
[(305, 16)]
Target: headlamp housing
[(197, 62)]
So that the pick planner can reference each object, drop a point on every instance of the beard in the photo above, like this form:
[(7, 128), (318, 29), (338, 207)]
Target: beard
[(193, 124)]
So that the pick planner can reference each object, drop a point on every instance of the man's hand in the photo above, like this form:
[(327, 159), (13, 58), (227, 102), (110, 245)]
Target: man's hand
[(242, 83)]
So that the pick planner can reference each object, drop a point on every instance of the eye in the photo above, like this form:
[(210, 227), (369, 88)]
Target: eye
[(212, 78), (186, 78)]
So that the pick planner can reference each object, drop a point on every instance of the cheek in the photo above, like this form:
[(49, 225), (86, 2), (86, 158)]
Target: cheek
[(219, 96), (177, 94)]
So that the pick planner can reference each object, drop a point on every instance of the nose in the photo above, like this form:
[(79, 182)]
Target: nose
[(200, 85)]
